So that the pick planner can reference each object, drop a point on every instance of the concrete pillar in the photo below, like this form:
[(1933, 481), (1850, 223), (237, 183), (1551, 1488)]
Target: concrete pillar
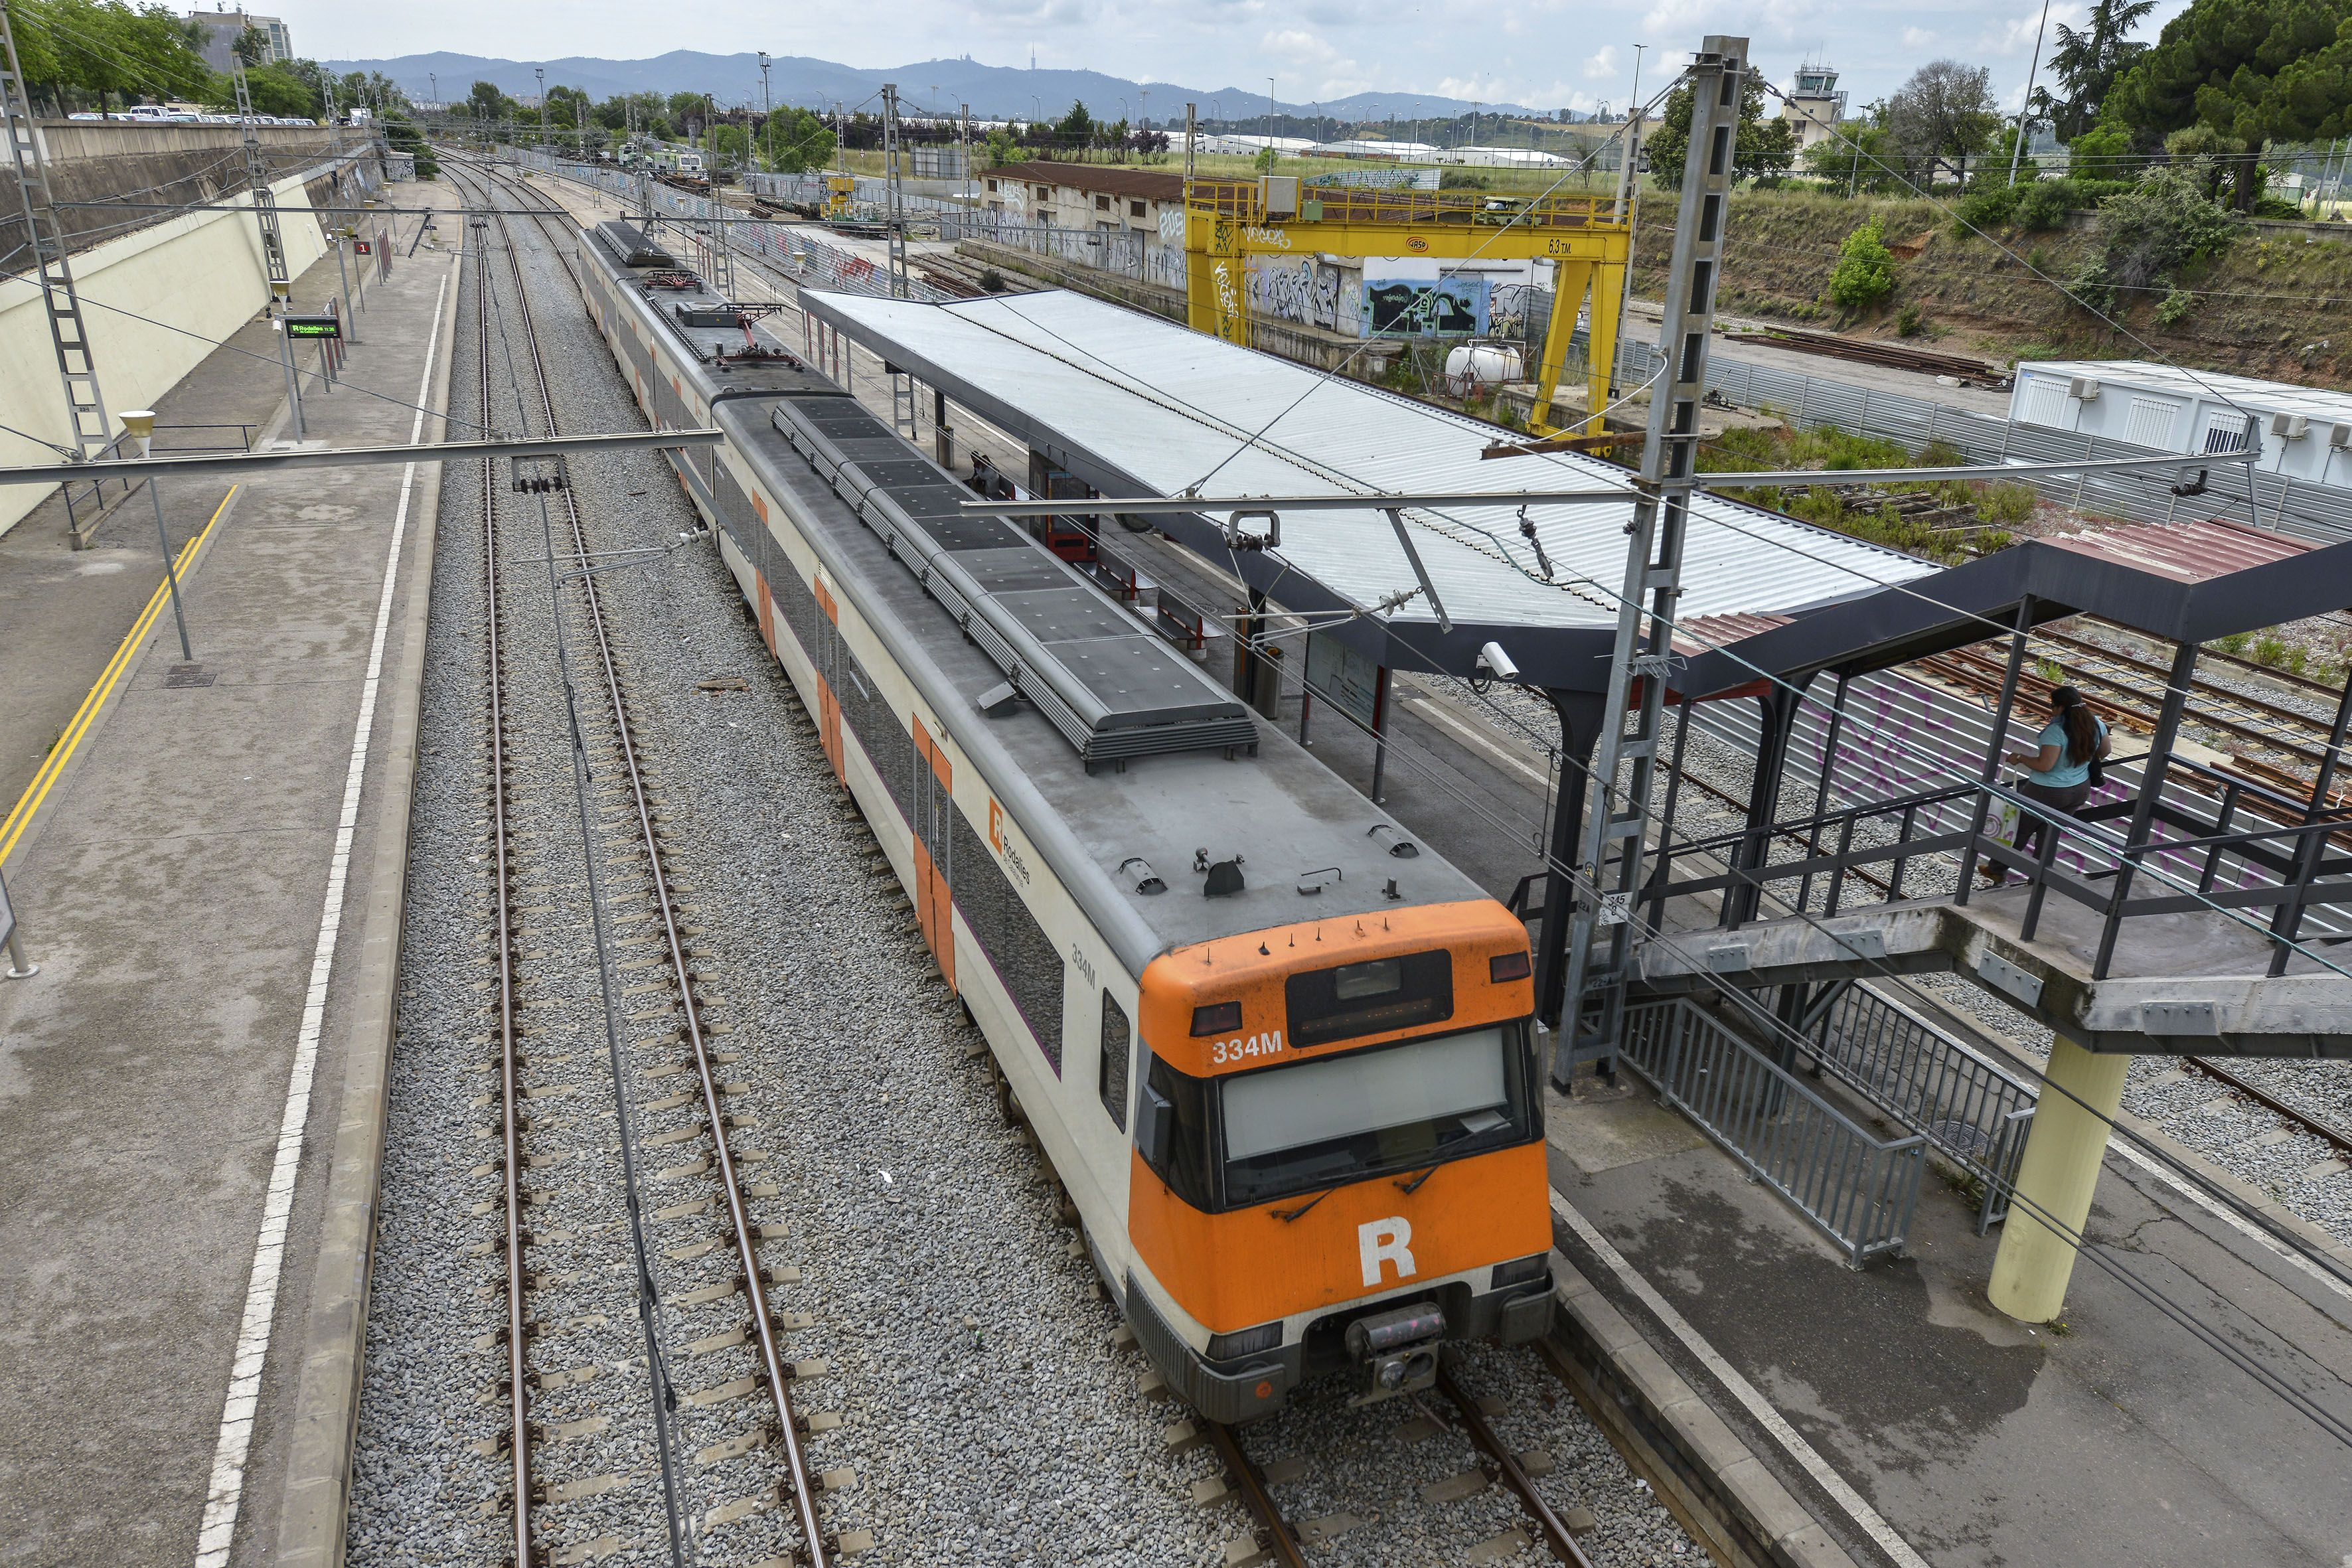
[(2061, 1168)]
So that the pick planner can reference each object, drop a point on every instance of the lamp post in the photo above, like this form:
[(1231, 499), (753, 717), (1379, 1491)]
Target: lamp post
[(767, 112), (140, 423), (540, 72), (2025, 109)]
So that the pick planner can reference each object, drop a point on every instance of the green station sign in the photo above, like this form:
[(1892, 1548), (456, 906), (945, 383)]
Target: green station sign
[(313, 326)]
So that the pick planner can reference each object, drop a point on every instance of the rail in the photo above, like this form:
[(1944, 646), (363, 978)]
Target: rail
[(774, 1373), (1857, 1190)]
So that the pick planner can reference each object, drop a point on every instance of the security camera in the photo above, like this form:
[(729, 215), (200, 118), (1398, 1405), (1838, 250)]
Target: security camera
[(1496, 663)]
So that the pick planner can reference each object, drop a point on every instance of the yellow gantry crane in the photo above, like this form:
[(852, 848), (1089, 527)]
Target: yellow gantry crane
[(1585, 238)]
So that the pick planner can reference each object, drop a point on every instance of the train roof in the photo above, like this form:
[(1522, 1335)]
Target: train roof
[(1294, 824)]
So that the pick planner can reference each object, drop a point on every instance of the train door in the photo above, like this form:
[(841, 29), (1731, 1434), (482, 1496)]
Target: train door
[(934, 807), (1071, 538), (828, 679)]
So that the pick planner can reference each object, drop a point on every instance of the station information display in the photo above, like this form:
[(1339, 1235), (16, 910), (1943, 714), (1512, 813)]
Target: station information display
[(313, 326)]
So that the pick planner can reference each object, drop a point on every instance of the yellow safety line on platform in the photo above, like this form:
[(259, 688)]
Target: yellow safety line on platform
[(20, 816)]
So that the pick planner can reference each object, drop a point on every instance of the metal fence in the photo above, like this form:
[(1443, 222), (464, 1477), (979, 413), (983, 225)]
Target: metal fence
[(1975, 1114), (1859, 1191)]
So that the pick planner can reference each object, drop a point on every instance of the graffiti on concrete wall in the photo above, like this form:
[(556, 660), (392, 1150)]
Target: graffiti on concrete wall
[(1302, 290), (1427, 307)]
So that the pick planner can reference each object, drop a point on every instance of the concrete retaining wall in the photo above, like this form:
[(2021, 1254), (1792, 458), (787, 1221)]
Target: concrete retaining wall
[(114, 161), (202, 272)]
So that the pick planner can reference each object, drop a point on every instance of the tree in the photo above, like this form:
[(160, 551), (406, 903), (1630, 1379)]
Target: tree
[(1866, 269), (1940, 116), (798, 141), (2086, 63), (1767, 148), (2252, 70), (1075, 130), (274, 89), (1857, 159), (103, 50)]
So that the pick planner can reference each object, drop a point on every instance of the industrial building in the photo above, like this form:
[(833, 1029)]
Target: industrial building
[(1084, 195), (221, 27), (2301, 432)]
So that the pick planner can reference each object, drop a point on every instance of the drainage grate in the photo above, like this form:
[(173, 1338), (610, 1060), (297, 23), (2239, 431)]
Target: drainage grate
[(182, 676)]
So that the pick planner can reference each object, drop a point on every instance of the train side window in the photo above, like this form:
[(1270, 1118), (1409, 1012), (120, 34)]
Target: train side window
[(1172, 1133), (1116, 1048)]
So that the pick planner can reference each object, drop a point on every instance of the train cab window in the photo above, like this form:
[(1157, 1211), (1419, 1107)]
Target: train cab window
[(1370, 998), (1172, 1131), (1303, 1126), (1116, 1048)]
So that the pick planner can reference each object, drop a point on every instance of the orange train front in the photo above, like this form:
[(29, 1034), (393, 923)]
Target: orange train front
[(1338, 1154), (1277, 1053)]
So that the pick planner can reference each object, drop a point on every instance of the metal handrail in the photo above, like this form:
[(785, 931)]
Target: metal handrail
[(1859, 1190)]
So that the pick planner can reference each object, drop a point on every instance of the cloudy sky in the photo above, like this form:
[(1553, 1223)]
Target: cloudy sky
[(1548, 52)]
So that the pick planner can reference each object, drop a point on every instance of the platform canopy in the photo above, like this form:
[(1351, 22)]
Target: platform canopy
[(1136, 406)]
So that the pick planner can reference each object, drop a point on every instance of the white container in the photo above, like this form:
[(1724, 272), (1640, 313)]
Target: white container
[(1484, 364)]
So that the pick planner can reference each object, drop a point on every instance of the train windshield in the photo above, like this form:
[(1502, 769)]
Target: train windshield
[(1307, 1125)]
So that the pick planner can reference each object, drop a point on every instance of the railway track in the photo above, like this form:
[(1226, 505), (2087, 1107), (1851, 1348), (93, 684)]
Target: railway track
[(624, 858), (1447, 1408)]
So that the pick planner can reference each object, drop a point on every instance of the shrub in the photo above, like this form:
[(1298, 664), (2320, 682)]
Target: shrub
[(2270, 650), (2093, 287), (2174, 306), (2006, 501), (2166, 219), (2234, 644), (2044, 204), (992, 280), (1866, 269), (1909, 321), (1986, 208)]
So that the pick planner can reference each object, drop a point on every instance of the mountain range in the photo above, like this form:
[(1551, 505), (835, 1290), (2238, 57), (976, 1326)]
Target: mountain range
[(995, 92)]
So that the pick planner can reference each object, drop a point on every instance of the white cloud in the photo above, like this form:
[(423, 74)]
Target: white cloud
[(1917, 38), (1603, 66)]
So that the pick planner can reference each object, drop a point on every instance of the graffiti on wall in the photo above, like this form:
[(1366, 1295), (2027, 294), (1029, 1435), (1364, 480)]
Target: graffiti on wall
[(1309, 292), (1427, 307)]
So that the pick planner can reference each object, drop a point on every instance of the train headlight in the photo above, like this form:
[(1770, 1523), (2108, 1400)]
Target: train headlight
[(1506, 966), (1249, 1342), (1521, 1271), (1217, 1018)]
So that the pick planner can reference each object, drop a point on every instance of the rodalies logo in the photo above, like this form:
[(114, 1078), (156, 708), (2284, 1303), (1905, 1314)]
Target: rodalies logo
[(1380, 1241)]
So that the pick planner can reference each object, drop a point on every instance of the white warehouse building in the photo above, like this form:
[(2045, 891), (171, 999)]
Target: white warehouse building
[(2302, 432)]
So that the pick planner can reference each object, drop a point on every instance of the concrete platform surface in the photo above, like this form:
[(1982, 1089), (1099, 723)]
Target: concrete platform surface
[(2119, 1439), (182, 884)]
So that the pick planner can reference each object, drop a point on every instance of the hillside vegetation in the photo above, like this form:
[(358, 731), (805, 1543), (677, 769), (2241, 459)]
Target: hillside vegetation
[(2276, 301)]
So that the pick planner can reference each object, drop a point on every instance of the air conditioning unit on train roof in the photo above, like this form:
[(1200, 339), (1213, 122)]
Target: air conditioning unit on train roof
[(2082, 389), (2339, 436), (2289, 427)]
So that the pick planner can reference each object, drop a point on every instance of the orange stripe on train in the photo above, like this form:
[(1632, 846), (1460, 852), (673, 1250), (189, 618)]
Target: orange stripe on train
[(1238, 1270)]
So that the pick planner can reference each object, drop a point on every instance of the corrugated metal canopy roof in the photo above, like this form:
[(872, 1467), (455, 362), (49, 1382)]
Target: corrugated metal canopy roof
[(2185, 552), (1174, 408)]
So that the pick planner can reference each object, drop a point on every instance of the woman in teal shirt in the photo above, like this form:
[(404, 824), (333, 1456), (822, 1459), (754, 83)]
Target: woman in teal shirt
[(2058, 775)]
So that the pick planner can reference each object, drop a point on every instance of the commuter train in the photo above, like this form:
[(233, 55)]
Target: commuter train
[(1279, 1055)]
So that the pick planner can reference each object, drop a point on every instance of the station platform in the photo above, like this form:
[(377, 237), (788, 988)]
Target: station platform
[(206, 856)]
